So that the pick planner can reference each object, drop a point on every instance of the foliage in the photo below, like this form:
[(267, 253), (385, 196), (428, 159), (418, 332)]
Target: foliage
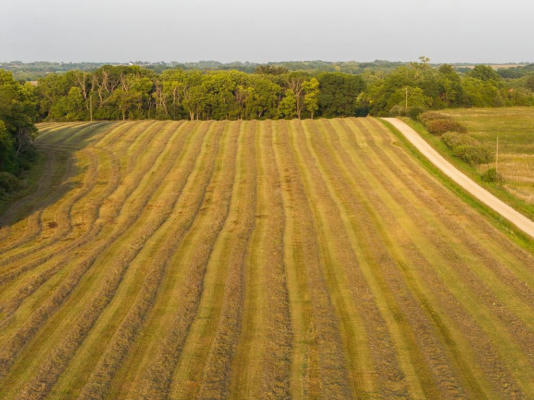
[(338, 94), (428, 116), (271, 69), (484, 73), (17, 114), (113, 92), (491, 175), (440, 126), (288, 105), (311, 96), (8, 182), (211, 90), (467, 148)]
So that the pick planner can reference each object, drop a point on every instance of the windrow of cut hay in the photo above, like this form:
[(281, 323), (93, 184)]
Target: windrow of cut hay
[(261, 366), (320, 361), (183, 288), (112, 341), (31, 254), (42, 266), (150, 264), (257, 259), (82, 262)]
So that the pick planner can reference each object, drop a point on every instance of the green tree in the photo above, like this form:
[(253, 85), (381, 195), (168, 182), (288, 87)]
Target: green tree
[(311, 96), (484, 73), (295, 82), (263, 101), (288, 105), (70, 107), (7, 153), (271, 69), (18, 111), (338, 94)]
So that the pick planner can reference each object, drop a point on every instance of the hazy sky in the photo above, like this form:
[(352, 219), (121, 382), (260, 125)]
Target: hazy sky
[(268, 30)]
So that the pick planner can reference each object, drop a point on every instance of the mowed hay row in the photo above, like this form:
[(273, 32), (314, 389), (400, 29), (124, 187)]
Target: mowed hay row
[(255, 259), (43, 265), (57, 177), (89, 260)]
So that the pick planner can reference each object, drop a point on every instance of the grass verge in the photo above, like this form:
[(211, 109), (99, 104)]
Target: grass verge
[(495, 188), (515, 234)]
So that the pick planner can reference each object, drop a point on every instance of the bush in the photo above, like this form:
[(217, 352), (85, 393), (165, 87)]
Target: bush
[(473, 154), (467, 148), (428, 116), (491, 175), (440, 126), (8, 182), (455, 139), (415, 112)]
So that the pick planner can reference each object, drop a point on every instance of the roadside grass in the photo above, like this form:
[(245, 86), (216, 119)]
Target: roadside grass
[(515, 128), (496, 219)]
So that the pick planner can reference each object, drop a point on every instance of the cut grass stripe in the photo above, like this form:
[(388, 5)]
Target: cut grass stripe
[(428, 245), (335, 255), (318, 367), (261, 366), (474, 266), (162, 244), (32, 324), (231, 249), (153, 375)]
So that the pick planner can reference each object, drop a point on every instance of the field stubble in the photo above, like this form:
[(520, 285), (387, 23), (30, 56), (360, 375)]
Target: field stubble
[(258, 259)]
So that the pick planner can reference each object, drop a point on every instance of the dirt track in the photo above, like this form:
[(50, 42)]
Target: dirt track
[(519, 220)]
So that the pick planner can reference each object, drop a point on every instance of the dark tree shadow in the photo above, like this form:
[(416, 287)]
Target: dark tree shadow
[(45, 191)]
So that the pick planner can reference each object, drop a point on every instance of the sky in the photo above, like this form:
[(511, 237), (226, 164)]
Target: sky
[(481, 31)]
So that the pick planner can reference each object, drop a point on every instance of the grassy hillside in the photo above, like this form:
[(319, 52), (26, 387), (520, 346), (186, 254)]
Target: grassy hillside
[(255, 260)]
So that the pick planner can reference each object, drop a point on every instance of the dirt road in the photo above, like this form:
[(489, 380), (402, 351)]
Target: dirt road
[(519, 220)]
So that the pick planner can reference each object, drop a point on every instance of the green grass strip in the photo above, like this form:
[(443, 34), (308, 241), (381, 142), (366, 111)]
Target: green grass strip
[(511, 231)]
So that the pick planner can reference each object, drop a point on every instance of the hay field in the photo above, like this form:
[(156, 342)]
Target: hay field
[(255, 260)]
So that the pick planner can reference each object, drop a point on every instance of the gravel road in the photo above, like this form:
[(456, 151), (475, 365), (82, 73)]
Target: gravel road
[(519, 220)]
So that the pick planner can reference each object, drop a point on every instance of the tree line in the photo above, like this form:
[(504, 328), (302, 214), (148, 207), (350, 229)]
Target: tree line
[(272, 91), (133, 92), (18, 112)]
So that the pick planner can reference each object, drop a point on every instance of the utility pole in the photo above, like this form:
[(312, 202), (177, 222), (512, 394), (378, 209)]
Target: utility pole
[(406, 102), (90, 107), (497, 156)]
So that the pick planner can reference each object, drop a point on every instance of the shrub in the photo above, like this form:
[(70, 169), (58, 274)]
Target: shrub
[(491, 175), (473, 154), (414, 112), (440, 126), (467, 148), (8, 182), (428, 116), (455, 139)]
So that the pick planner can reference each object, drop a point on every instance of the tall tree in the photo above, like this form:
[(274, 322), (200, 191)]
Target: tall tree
[(311, 96), (288, 106), (18, 112)]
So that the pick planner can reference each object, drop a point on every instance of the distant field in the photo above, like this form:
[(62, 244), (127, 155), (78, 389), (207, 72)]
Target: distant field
[(255, 260), (515, 128), (497, 66)]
